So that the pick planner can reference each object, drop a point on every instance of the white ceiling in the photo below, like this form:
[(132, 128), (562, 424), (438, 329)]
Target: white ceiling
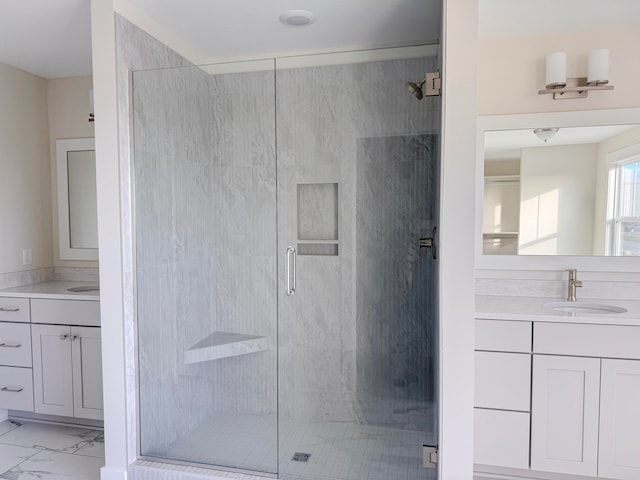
[(49, 38), (52, 38), (506, 144), (225, 29)]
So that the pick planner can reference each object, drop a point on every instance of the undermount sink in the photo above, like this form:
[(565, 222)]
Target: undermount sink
[(584, 307), (85, 288)]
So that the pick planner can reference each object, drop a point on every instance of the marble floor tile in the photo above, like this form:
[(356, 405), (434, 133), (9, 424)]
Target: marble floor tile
[(50, 437), (8, 425), (49, 465), (95, 448), (10, 456)]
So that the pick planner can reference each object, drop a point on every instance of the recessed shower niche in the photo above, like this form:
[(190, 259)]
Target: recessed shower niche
[(318, 219)]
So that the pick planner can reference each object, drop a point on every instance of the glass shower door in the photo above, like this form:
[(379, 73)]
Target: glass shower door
[(205, 216), (286, 313), (357, 323)]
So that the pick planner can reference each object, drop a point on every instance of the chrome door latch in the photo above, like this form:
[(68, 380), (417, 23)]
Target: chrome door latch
[(430, 456), (430, 242)]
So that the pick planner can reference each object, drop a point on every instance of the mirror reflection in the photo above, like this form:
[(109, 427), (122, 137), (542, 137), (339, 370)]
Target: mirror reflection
[(83, 209), (77, 199), (565, 191)]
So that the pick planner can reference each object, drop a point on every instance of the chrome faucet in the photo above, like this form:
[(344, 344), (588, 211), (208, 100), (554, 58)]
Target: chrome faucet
[(573, 283)]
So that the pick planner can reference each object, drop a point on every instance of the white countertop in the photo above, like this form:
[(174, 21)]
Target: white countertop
[(532, 309), (53, 290)]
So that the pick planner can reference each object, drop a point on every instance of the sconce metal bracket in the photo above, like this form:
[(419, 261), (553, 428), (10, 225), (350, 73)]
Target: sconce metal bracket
[(575, 88)]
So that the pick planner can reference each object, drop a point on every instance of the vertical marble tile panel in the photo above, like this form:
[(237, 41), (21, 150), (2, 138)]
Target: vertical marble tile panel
[(135, 50), (204, 189), (357, 126)]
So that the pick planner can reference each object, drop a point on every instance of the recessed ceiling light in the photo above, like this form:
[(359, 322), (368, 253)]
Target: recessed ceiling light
[(297, 18)]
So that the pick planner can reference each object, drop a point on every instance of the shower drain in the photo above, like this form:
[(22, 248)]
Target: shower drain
[(300, 457)]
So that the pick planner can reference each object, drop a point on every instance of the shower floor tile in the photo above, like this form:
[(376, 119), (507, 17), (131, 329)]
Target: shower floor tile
[(338, 450)]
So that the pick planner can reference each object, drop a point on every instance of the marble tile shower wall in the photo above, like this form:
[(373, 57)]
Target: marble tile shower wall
[(356, 126), (205, 179), (135, 50), (396, 304), (204, 171)]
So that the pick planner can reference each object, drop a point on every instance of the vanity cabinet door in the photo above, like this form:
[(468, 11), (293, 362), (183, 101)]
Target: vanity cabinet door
[(52, 374), (87, 372), (564, 414), (620, 420)]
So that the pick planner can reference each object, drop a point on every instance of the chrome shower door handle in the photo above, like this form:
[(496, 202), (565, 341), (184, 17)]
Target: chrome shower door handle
[(291, 270)]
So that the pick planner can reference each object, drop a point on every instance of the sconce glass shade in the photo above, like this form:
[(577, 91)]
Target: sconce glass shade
[(598, 73), (556, 70), (545, 134)]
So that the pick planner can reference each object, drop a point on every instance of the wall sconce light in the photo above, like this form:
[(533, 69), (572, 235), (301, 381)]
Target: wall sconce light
[(565, 88), (92, 116), (545, 134)]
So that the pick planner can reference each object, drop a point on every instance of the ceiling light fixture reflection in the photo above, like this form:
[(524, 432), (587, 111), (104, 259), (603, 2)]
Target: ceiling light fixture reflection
[(297, 18), (545, 134)]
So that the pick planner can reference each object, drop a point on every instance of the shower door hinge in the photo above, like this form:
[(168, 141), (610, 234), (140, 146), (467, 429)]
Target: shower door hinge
[(430, 456), (433, 85)]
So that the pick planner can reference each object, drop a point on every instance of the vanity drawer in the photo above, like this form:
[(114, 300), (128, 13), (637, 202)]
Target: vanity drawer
[(585, 340), (503, 380), (16, 388), (14, 309), (15, 344), (65, 312), (503, 336), (501, 438)]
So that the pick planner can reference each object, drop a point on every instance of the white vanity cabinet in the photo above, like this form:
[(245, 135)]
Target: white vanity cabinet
[(564, 424), (50, 352), (585, 398), (619, 455), (67, 369), (16, 381), (502, 393)]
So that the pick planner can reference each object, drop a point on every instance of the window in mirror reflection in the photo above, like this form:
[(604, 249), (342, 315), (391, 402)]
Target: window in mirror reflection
[(624, 205), (559, 197)]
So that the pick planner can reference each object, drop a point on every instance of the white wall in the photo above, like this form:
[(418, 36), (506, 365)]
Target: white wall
[(109, 238), (512, 70), (68, 113), (25, 192), (457, 222), (557, 200)]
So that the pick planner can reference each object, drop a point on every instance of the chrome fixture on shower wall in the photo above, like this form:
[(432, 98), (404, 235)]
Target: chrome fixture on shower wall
[(416, 89), (432, 83)]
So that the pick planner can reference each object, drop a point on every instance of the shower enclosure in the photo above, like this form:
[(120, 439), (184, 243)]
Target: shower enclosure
[(287, 315)]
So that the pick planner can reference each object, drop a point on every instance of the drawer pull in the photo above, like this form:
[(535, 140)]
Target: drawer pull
[(9, 309), (10, 345), (74, 338), (64, 337), (11, 389)]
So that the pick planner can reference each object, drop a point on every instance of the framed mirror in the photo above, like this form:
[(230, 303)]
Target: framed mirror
[(570, 193), (77, 199)]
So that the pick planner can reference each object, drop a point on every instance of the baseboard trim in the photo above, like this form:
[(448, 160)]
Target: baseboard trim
[(110, 473)]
